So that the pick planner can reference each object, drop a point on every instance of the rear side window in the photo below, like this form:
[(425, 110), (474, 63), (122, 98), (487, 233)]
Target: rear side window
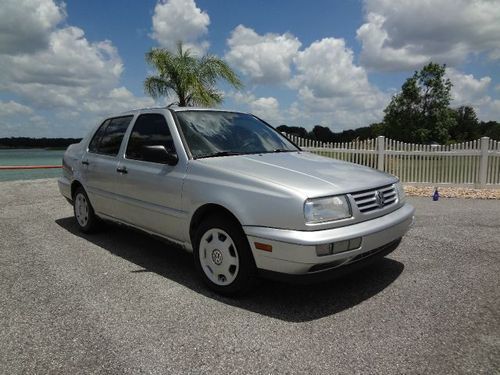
[(94, 143), (149, 130), (108, 138)]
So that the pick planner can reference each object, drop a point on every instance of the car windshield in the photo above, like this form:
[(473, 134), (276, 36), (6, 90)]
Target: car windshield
[(213, 133)]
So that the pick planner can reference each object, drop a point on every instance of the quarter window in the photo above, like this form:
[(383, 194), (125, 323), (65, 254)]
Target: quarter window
[(149, 130), (108, 138)]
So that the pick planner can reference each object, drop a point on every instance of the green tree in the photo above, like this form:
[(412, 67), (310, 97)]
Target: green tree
[(192, 79), (377, 129), (467, 125), (294, 130), (420, 112), (322, 133), (490, 129)]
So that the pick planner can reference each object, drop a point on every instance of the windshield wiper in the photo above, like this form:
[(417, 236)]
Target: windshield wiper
[(231, 153), (220, 153), (278, 150)]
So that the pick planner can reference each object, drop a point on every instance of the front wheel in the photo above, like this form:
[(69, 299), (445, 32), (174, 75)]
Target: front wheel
[(223, 257)]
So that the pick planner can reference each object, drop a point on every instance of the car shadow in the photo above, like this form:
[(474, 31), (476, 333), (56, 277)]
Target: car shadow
[(293, 303)]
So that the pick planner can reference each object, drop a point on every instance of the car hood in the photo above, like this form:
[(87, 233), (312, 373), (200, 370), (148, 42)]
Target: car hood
[(311, 174)]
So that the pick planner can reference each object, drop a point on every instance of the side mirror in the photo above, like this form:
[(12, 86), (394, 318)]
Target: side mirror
[(159, 154)]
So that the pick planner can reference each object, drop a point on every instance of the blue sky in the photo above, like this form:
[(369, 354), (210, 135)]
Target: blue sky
[(334, 63)]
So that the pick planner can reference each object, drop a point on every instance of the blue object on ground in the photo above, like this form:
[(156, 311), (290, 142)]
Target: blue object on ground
[(435, 196)]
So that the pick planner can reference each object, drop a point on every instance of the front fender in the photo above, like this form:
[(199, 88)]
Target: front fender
[(253, 202)]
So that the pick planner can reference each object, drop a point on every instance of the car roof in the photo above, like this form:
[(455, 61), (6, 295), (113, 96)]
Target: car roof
[(176, 109)]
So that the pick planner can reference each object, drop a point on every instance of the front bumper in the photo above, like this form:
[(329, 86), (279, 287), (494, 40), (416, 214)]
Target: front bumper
[(294, 252), (353, 265)]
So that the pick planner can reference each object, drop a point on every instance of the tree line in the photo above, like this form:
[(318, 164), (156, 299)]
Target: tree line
[(466, 130), (26, 142)]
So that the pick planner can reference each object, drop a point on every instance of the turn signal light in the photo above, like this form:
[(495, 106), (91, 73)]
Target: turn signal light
[(263, 246)]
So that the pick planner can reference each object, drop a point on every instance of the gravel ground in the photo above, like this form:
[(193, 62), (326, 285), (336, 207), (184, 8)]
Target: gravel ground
[(452, 192), (122, 302)]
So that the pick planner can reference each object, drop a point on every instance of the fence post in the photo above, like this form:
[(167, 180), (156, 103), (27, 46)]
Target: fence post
[(483, 164), (380, 152)]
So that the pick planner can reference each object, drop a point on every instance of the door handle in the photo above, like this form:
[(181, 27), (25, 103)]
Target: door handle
[(85, 162), (122, 170)]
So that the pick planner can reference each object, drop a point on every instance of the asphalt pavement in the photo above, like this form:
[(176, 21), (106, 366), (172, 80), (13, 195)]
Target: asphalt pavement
[(121, 302)]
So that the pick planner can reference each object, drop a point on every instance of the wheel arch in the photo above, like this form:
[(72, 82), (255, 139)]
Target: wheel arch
[(205, 211), (74, 186)]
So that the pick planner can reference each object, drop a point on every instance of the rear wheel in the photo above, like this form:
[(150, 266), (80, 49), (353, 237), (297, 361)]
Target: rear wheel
[(84, 213), (223, 256)]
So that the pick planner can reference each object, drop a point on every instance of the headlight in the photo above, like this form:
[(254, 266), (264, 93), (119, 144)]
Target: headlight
[(326, 209), (401, 192)]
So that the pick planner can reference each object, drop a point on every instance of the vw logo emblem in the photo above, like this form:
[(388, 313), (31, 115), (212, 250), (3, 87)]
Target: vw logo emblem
[(217, 257), (379, 198)]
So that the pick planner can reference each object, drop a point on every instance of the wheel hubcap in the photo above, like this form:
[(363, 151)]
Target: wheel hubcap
[(81, 209), (219, 257)]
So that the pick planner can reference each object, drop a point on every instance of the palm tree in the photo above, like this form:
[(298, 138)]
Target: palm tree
[(191, 78)]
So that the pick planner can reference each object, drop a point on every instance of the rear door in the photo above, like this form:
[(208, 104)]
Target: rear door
[(100, 161), (150, 191)]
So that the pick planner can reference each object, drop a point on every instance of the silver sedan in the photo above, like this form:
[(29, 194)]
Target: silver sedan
[(235, 192)]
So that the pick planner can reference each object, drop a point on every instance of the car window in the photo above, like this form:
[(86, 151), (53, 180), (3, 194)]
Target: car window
[(214, 133), (112, 135), (149, 130), (94, 143)]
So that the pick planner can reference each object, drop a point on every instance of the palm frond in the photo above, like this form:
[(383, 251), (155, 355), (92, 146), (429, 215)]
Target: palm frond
[(213, 68), (191, 78), (156, 86)]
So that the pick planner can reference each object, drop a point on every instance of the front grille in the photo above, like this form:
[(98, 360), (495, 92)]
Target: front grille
[(375, 199)]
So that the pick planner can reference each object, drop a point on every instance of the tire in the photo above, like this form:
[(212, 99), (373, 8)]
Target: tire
[(223, 257), (85, 217)]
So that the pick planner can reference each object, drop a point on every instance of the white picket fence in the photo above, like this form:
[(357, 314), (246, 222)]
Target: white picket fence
[(469, 164)]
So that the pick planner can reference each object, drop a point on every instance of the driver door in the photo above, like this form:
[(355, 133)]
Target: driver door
[(151, 191)]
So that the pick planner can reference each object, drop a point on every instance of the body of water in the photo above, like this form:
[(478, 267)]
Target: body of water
[(30, 157)]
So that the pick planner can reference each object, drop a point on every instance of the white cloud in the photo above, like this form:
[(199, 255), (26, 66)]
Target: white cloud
[(267, 108), (332, 87), (377, 55), (23, 30), (326, 68), (116, 100), (69, 60), (180, 20), (263, 58), (489, 109), (406, 34), (69, 71), (12, 108), (15, 116), (468, 90), (67, 76)]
